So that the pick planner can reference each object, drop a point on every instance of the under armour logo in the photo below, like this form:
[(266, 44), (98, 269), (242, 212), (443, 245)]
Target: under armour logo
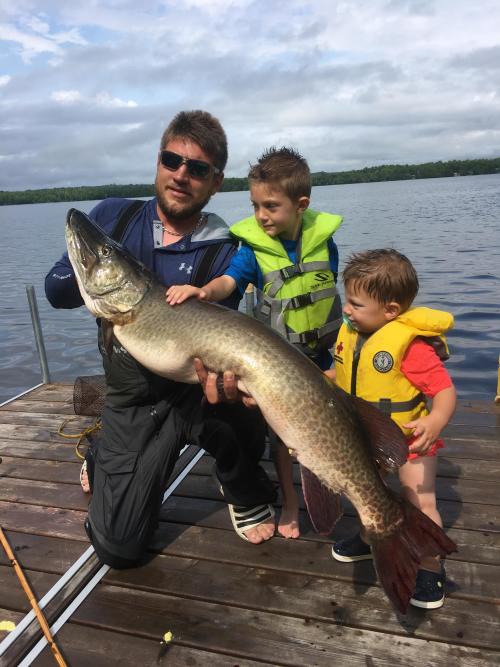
[(185, 268)]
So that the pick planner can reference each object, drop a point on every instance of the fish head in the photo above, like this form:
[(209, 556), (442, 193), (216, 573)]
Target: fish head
[(111, 281)]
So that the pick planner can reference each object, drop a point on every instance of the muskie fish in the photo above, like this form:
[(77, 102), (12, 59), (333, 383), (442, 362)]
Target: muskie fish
[(329, 431)]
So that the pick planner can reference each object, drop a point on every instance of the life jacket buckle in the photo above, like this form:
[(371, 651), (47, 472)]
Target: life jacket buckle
[(265, 310), (385, 405), (301, 300), (309, 336), (290, 271)]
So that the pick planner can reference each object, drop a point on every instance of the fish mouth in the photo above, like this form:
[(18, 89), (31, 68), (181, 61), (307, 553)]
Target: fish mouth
[(87, 245), (102, 266), (109, 290), (88, 257)]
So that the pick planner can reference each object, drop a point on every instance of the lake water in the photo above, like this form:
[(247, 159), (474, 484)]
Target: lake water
[(449, 227)]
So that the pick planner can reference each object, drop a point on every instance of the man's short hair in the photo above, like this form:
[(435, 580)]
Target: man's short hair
[(384, 274), (201, 128), (284, 168)]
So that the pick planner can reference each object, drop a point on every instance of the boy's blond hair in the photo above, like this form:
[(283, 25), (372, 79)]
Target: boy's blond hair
[(284, 168), (384, 274)]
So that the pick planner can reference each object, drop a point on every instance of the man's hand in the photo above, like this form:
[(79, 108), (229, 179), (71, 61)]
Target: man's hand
[(219, 387)]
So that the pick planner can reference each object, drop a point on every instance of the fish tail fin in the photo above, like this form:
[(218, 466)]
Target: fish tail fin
[(398, 556)]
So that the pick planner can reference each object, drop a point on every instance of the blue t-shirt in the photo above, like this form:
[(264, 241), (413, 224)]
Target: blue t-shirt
[(244, 269)]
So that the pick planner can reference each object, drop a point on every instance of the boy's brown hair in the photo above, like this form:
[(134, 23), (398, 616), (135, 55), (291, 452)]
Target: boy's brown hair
[(201, 128), (384, 274), (284, 168)]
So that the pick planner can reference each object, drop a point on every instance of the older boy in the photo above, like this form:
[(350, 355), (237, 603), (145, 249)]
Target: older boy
[(288, 253), (390, 354)]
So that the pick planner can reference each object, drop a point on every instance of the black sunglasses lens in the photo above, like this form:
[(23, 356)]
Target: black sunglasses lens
[(171, 160), (196, 168)]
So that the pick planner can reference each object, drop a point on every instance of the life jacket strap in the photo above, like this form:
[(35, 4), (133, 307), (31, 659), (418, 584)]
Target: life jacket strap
[(389, 406), (125, 218), (314, 335), (440, 346), (308, 298), (270, 311), (278, 277)]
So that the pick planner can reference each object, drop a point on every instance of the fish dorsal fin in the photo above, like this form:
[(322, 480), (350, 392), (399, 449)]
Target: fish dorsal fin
[(383, 436)]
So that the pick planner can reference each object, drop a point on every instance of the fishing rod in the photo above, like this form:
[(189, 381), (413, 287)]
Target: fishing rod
[(27, 589)]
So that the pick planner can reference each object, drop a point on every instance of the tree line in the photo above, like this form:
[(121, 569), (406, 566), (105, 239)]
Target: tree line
[(387, 172)]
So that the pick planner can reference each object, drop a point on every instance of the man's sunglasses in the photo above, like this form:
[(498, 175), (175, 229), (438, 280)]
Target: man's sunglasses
[(196, 168)]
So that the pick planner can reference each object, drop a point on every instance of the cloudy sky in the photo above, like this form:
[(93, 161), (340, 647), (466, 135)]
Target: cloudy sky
[(87, 87)]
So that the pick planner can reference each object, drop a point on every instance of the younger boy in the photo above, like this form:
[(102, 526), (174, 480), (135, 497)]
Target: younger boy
[(288, 254), (390, 354)]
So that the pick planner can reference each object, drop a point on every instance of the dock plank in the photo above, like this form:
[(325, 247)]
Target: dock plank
[(280, 639), (239, 605), (88, 646), (314, 594), (456, 512), (41, 451)]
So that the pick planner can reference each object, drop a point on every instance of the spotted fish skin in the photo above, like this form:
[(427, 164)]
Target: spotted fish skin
[(306, 411)]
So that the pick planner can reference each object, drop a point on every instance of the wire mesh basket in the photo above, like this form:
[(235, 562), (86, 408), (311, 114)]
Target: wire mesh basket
[(89, 394)]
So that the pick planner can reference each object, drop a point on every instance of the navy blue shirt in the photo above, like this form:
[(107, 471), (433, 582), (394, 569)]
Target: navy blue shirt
[(175, 264)]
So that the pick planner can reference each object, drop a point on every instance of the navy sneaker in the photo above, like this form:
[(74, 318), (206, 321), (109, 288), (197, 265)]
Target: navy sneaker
[(429, 589), (352, 549)]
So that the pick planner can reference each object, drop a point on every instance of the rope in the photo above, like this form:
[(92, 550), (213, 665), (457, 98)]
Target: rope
[(86, 431), (26, 587)]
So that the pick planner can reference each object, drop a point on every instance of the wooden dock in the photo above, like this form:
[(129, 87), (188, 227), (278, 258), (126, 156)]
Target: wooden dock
[(229, 603)]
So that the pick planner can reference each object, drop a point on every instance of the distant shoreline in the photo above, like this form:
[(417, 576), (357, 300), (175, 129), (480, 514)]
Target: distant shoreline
[(394, 172)]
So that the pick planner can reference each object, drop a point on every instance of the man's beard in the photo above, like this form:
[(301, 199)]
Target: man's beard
[(172, 212)]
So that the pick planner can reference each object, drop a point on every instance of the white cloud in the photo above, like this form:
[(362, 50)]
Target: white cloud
[(104, 100), (30, 44), (348, 83), (66, 96), (37, 24), (33, 36)]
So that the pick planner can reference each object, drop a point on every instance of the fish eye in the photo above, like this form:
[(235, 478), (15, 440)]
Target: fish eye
[(106, 250)]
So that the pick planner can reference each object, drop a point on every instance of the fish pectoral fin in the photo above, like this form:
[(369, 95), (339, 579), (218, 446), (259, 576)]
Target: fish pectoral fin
[(386, 440), (323, 505), (107, 336)]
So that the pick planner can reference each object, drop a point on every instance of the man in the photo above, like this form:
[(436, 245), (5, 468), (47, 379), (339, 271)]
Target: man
[(148, 419)]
